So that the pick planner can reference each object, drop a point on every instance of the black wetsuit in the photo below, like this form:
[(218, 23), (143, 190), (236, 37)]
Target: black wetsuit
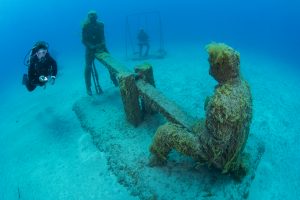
[(47, 67)]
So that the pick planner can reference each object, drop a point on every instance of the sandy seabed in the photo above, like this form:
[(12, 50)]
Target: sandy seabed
[(45, 153)]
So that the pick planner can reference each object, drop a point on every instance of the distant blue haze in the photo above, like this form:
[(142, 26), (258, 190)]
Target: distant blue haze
[(271, 27)]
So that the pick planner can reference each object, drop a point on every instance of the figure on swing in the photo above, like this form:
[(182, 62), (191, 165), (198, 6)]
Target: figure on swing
[(143, 40)]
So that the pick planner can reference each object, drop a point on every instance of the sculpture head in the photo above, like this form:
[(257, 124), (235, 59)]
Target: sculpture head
[(224, 62), (92, 16)]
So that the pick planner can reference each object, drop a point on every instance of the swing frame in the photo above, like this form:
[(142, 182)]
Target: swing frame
[(130, 42)]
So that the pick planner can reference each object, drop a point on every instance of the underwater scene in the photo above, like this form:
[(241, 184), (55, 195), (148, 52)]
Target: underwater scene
[(166, 100)]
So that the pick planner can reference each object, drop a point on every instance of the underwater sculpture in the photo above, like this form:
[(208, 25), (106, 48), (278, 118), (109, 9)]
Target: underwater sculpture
[(219, 139), (143, 41), (93, 39)]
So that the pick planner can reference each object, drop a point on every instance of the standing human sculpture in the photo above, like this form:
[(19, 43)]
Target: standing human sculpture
[(93, 39)]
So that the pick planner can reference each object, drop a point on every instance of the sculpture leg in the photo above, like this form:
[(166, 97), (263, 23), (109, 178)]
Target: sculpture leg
[(89, 57), (140, 50), (171, 136), (147, 50)]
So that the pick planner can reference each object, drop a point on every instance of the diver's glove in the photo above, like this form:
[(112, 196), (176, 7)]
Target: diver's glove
[(43, 79)]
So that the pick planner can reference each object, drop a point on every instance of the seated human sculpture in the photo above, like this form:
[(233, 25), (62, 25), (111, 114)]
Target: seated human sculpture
[(219, 139)]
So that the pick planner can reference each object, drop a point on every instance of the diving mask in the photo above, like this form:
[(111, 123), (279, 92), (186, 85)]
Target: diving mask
[(41, 54)]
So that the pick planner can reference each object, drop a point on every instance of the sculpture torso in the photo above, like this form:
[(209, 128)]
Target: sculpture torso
[(228, 119)]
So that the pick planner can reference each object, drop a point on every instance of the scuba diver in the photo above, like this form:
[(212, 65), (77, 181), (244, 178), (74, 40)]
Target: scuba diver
[(42, 68)]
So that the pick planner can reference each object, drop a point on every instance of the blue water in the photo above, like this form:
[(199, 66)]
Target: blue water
[(265, 32), (269, 26)]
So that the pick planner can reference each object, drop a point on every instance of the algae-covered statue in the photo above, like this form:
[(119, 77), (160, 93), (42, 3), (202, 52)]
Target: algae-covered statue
[(93, 39), (220, 138), (143, 40)]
